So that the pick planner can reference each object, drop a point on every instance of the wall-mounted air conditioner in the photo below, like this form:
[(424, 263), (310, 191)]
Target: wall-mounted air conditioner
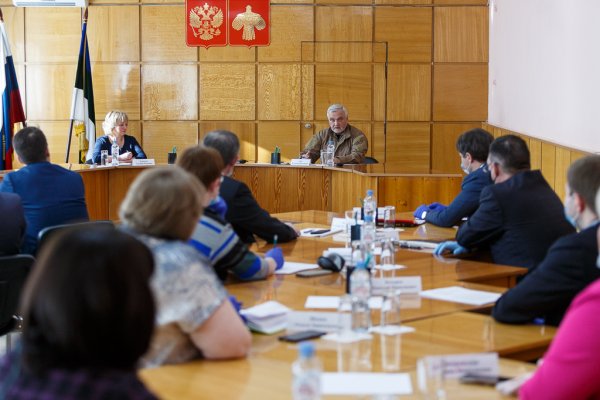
[(50, 3)]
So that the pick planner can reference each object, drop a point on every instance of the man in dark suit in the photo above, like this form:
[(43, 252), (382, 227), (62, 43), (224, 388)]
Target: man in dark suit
[(570, 264), (473, 147), (51, 195), (12, 227), (519, 217), (243, 212)]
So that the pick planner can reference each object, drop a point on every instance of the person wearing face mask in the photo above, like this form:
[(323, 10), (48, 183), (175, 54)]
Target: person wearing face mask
[(570, 264), (115, 126), (473, 147), (214, 237), (350, 143), (519, 216)]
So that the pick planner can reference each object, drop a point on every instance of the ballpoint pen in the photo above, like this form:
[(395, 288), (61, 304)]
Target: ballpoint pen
[(275, 237)]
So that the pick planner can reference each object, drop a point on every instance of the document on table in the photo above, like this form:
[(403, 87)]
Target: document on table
[(268, 317), (326, 302), (293, 267), (354, 383), (459, 294), (318, 232)]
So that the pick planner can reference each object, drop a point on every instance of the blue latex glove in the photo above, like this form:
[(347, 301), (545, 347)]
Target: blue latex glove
[(437, 207), (423, 208), (449, 247), (218, 206), (276, 254), (237, 306)]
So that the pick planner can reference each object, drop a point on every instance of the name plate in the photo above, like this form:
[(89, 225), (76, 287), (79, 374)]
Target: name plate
[(142, 161), (405, 284), (319, 321), (456, 365), (300, 161)]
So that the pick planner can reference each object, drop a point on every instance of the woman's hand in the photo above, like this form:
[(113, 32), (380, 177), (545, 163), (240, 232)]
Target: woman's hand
[(127, 156)]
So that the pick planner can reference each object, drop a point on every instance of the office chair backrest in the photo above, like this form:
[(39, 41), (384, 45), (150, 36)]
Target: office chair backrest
[(45, 234), (13, 274)]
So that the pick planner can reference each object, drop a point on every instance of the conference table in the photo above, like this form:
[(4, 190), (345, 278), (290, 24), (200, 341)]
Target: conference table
[(440, 327)]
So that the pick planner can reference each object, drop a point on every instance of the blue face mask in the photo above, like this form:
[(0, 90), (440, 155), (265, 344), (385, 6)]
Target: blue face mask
[(569, 218)]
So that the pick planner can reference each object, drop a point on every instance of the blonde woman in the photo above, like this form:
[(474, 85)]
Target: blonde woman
[(115, 126), (194, 317)]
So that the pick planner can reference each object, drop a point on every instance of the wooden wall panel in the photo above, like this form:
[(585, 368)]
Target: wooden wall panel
[(404, 2), (409, 92), (344, 24), (380, 90), (95, 184), (56, 133), (344, 52), (407, 31), (279, 86), (461, 2), (14, 23), (444, 157), (227, 91), (113, 33), (346, 84), (49, 91), (460, 92), (549, 162), (117, 87), (535, 153), (407, 193), (286, 135), (163, 34), (227, 54), (377, 143), (52, 34), (461, 34), (290, 25), (245, 131), (161, 136), (407, 145), (348, 190), (307, 90), (563, 161), (168, 92)]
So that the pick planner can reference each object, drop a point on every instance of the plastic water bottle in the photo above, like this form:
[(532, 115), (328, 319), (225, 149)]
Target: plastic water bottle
[(370, 206), (368, 235), (306, 371), (114, 152), (360, 290), (330, 152)]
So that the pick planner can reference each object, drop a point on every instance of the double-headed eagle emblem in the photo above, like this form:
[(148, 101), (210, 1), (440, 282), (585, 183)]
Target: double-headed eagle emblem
[(205, 21)]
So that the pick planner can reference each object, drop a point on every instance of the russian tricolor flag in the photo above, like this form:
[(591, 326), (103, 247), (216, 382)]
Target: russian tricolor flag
[(12, 108)]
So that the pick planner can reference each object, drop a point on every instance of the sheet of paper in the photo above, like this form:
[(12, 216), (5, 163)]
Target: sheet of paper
[(354, 383), (459, 294), (319, 232), (333, 302), (318, 321), (391, 329), (347, 337), (390, 267), (266, 309), (290, 267), (405, 284), (457, 365)]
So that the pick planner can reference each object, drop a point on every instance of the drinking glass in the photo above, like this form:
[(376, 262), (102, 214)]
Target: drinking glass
[(389, 217), (103, 157), (430, 378)]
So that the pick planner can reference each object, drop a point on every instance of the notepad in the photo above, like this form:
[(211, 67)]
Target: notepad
[(354, 383), (459, 294), (293, 267), (268, 317)]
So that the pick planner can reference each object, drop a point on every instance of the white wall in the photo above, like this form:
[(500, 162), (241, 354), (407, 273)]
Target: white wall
[(544, 70)]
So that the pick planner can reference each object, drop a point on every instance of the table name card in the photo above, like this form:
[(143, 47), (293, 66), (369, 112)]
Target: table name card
[(320, 321), (405, 284), (300, 161), (456, 365), (143, 161)]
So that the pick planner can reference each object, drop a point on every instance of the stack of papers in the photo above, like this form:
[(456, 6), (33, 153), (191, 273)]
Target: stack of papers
[(269, 317), (293, 267), (459, 294)]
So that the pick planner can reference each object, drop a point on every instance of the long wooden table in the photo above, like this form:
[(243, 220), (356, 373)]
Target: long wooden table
[(440, 328), (284, 188)]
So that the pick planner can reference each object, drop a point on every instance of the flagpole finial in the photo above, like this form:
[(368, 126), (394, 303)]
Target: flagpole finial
[(85, 15)]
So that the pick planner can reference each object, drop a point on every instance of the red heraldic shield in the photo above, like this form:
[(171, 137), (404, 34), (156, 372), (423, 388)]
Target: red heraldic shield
[(249, 22), (206, 23)]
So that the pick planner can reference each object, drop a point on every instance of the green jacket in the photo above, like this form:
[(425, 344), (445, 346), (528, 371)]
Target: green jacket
[(350, 145)]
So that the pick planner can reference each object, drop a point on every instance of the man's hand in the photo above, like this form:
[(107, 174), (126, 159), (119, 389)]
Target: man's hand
[(450, 247), (421, 211), (276, 254), (437, 207)]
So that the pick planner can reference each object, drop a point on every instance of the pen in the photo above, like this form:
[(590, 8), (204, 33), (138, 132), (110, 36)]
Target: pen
[(275, 240)]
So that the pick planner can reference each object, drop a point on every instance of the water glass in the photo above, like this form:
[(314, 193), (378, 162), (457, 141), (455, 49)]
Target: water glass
[(389, 217), (430, 378), (345, 316), (327, 158), (390, 311), (103, 157), (387, 253), (390, 352)]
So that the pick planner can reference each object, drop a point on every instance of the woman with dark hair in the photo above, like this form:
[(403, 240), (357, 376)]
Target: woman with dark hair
[(88, 318)]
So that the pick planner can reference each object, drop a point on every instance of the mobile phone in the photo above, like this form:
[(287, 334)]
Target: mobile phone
[(309, 273), (300, 336), (318, 231), (482, 379)]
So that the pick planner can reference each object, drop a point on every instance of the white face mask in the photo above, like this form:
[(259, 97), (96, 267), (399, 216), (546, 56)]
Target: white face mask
[(464, 168)]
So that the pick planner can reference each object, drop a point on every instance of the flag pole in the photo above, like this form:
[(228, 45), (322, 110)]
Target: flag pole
[(85, 17)]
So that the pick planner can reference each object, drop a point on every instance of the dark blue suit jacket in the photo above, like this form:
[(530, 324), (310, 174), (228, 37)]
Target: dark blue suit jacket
[(248, 218), (518, 220), (547, 291), (12, 228), (51, 195), (465, 203), (130, 144)]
